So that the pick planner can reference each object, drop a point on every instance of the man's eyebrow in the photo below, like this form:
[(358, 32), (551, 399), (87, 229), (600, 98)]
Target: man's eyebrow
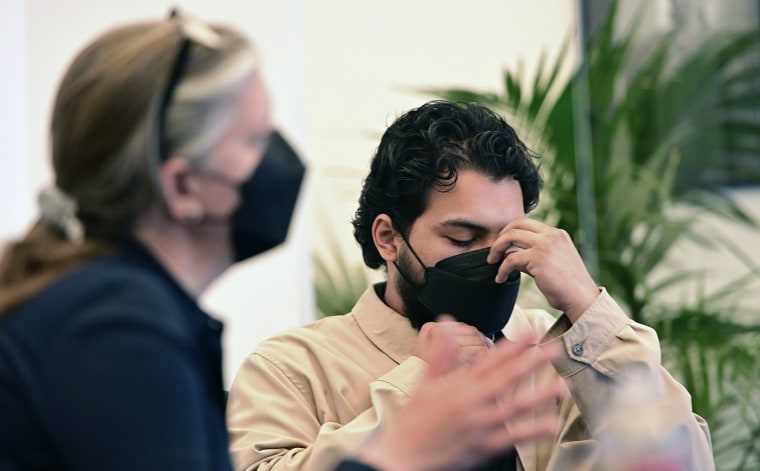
[(462, 224)]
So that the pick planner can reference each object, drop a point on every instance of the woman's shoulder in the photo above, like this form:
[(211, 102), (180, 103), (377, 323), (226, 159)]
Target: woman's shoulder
[(109, 280), (105, 291)]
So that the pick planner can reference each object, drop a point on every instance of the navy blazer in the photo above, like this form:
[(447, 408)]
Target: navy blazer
[(112, 367)]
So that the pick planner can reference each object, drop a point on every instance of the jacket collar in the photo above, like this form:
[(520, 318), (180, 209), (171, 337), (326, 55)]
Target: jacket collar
[(389, 330)]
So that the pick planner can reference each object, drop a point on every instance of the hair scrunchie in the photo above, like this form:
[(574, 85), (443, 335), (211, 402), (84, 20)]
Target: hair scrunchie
[(59, 210)]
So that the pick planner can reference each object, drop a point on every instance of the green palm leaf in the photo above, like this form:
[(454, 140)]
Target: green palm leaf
[(657, 120)]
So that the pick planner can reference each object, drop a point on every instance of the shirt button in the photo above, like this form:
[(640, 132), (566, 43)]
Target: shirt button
[(577, 349)]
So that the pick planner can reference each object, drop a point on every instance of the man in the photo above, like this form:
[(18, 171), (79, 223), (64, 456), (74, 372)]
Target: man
[(443, 210)]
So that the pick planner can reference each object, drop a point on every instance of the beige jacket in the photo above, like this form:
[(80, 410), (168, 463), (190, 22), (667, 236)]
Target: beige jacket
[(309, 396)]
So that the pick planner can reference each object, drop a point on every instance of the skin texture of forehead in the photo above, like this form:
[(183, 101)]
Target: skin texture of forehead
[(475, 199)]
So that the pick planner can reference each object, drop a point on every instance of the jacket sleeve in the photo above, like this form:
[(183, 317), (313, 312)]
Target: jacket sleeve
[(613, 370), (276, 422)]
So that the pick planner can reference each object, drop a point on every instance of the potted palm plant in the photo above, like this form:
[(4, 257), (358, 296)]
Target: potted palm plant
[(630, 125)]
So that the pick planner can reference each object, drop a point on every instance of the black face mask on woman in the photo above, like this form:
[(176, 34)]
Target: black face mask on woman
[(464, 287), (267, 200)]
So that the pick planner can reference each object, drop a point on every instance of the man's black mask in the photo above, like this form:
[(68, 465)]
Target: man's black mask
[(464, 287)]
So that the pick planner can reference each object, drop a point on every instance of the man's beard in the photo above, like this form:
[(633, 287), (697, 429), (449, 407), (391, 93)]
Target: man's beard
[(414, 310)]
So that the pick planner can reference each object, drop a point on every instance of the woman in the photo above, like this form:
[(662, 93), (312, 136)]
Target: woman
[(106, 359), (167, 171)]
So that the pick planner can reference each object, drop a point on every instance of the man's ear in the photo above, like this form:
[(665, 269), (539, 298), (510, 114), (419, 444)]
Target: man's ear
[(176, 186), (385, 237)]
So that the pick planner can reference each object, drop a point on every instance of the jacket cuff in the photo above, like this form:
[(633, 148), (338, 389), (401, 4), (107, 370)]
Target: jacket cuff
[(584, 341)]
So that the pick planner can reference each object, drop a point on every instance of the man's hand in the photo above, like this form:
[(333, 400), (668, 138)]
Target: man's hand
[(467, 342), (549, 256)]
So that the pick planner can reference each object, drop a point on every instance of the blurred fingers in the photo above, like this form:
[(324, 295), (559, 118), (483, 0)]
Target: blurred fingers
[(505, 436), (516, 407)]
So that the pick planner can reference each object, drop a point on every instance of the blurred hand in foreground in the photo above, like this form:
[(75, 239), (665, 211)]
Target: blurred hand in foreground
[(459, 418)]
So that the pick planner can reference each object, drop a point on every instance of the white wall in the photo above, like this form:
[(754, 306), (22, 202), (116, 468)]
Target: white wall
[(16, 201)]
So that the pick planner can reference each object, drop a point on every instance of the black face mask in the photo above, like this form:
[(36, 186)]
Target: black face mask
[(267, 201), (464, 287)]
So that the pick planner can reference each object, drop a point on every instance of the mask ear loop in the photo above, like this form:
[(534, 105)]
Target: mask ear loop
[(400, 272), (413, 252), (415, 256)]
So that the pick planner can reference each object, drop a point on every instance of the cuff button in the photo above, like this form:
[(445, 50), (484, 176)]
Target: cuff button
[(577, 349)]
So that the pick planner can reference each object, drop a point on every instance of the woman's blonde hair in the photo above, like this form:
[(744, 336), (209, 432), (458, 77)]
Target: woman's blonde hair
[(134, 96)]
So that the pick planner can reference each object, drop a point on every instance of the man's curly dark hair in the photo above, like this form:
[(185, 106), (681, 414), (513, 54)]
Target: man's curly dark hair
[(423, 150)]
